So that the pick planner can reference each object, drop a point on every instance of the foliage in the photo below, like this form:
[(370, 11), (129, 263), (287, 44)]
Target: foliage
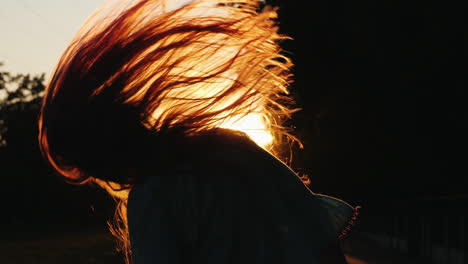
[(36, 197), (20, 100)]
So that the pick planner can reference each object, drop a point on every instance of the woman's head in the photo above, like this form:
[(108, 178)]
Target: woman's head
[(148, 70)]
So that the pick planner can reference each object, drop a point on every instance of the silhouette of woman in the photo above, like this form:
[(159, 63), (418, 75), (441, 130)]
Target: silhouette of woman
[(175, 108)]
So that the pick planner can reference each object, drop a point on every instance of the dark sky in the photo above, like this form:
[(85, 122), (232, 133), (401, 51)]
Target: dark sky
[(368, 78)]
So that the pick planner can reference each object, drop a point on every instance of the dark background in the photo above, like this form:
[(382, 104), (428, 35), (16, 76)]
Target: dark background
[(370, 77), (377, 98)]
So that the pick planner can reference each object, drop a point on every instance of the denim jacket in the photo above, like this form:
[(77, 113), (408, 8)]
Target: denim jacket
[(230, 201)]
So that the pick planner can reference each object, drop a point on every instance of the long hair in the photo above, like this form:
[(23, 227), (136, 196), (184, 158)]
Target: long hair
[(146, 70)]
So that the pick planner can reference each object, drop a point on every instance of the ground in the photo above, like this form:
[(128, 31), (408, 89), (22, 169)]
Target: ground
[(97, 246)]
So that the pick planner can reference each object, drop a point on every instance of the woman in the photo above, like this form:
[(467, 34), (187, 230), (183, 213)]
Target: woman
[(175, 108)]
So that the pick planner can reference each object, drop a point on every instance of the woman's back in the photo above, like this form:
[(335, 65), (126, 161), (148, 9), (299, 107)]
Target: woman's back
[(231, 203)]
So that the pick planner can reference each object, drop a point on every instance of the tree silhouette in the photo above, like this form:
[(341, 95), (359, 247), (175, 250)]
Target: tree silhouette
[(35, 195), (20, 100)]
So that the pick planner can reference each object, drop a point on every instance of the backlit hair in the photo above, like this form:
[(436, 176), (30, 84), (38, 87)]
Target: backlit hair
[(145, 69)]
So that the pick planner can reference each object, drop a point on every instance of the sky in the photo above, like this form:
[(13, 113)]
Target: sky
[(33, 34)]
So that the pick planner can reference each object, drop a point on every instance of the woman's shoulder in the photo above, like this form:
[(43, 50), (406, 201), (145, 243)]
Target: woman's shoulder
[(226, 163), (333, 216)]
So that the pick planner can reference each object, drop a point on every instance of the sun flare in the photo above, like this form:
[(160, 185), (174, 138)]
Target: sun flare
[(254, 126)]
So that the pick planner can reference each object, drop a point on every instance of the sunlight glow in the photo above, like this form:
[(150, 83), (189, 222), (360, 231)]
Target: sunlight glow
[(254, 126)]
